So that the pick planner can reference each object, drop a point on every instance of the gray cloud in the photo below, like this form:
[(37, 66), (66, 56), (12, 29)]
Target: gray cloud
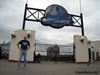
[(11, 19)]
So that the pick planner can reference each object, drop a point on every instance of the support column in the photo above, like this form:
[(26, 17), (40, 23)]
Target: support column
[(24, 17), (82, 25)]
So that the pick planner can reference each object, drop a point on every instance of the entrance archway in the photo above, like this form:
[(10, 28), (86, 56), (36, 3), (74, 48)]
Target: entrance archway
[(77, 19)]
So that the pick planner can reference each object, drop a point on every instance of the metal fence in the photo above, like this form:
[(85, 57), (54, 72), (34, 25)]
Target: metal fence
[(65, 52)]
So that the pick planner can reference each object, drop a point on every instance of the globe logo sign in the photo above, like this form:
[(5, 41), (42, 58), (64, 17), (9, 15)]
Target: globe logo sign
[(56, 16)]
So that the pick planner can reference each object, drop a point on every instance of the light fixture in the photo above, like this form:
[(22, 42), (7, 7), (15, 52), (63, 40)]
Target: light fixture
[(89, 42), (13, 35), (92, 45), (82, 39), (28, 34)]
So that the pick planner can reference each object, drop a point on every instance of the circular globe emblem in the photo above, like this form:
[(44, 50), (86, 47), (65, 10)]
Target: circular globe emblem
[(56, 16)]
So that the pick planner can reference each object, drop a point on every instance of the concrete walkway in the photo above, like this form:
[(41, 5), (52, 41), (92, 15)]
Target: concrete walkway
[(50, 68)]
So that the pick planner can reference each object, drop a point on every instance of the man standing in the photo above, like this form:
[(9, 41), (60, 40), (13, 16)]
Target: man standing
[(23, 46)]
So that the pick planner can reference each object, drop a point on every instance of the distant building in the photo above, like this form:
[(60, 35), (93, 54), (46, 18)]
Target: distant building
[(5, 47), (4, 50), (52, 51), (96, 45)]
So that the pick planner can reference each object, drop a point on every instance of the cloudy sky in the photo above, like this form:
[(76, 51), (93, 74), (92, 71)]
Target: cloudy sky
[(11, 19)]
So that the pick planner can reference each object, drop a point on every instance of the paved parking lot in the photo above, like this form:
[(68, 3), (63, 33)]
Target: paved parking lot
[(50, 68)]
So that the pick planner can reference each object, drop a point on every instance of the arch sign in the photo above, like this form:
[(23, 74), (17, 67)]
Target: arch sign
[(56, 16)]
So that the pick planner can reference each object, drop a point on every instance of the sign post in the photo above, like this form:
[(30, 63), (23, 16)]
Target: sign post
[(82, 26), (25, 12)]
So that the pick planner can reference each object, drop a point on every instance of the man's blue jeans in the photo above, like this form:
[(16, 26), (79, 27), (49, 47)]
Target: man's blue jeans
[(22, 53)]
